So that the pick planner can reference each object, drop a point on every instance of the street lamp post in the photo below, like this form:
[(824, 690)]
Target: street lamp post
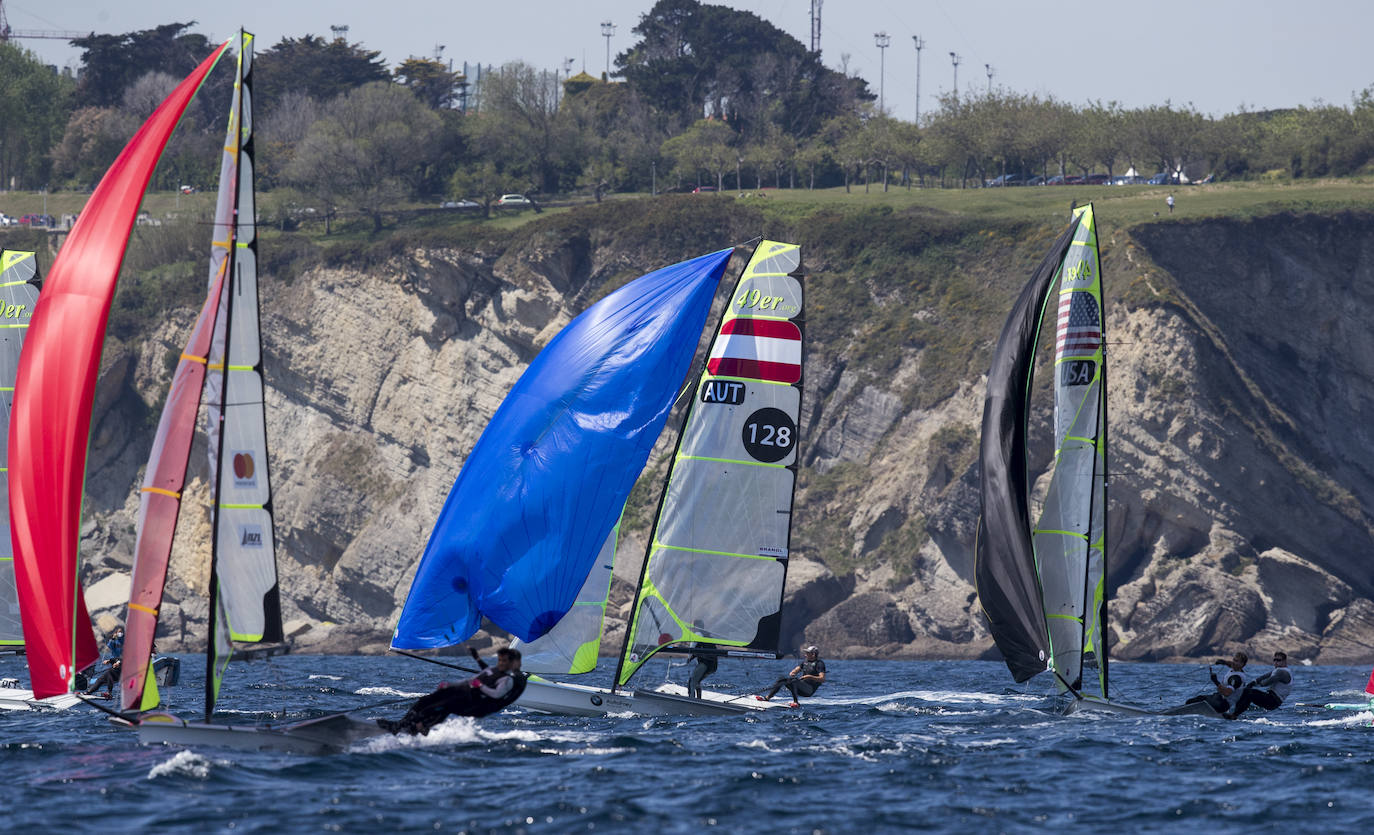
[(991, 71), (920, 44), (607, 30), (955, 59), (882, 41)]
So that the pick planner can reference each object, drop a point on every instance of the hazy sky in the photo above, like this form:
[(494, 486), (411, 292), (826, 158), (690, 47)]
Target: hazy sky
[(1219, 55)]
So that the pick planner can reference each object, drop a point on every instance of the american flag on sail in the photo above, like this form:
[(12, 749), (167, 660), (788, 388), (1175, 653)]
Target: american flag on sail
[(1080, 325), (763, 349)]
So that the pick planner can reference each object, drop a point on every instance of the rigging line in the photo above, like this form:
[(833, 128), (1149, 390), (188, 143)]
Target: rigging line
[(433, 661)]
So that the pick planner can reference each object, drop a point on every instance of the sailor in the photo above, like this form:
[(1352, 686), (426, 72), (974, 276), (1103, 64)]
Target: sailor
[(1268, 691), (1228, 686), (706, 665), (491, 690), (804, 679), (108, 679)]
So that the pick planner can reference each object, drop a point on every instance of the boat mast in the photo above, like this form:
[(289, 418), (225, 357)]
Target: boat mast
[(231, 273), (1102, 622)]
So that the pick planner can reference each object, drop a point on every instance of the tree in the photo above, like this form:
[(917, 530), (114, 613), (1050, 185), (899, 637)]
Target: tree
[(320, 69), (34, 107), (430, 81), (706, 146), (520, 126), (370, 149), (694, 59), (111, 63)]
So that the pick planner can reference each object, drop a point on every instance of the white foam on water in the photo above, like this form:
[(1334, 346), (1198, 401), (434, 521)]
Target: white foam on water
[(465, 730), (386, 691), (326, 676), (182, 764), (583, 752), (1363, 717), (942, 696)]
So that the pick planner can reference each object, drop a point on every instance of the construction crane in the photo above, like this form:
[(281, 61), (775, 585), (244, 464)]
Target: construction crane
[(7, 33)]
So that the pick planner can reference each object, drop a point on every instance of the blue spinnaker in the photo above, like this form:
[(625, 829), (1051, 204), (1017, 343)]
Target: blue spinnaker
[(545, 483)]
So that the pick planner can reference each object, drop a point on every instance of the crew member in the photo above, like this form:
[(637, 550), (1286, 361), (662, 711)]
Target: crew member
[(1228, 686), (706, 665), (1268, 691), (804, 679), (108, 679), (491, 690)]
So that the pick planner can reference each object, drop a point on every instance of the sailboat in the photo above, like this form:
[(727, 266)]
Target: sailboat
[(528, 531), (53, 393), (1043, 587), (223, 366), (716, 566)]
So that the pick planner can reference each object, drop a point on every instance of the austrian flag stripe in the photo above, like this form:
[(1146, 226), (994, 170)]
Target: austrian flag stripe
[(762, 349)]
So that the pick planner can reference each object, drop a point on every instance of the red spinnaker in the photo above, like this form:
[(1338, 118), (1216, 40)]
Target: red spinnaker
[(54, 390), (160, 501), (1369, 688)]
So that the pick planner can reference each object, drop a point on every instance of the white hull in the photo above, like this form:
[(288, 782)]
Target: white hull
[(547, 696), (16, 699), (324, 735), (1094, 703)]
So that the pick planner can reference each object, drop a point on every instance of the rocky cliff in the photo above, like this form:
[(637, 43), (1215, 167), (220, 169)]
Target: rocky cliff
[(1242, 472)]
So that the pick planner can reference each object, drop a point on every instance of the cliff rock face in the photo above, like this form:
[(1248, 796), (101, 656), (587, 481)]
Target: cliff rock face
[(1242, 473)]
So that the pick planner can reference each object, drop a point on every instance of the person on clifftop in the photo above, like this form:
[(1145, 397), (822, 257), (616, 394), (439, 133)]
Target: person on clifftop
[(804, 679)]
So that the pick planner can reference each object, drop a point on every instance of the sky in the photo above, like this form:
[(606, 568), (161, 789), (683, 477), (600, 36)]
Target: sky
[(1218, 55)]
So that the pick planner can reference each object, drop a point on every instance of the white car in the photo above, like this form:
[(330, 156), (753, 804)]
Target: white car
[(459, 204), (516, 200)]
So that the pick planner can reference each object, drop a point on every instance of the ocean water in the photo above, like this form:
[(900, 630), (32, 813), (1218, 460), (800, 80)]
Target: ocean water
[(885, 746)]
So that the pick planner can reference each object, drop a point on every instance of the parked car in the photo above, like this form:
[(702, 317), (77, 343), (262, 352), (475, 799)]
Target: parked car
[(1056, 180), (702, 189), (1037, 180), (1096, 180), (1004, 180), (459, 204), (515, 201), (1160, 179), (1073, 180)]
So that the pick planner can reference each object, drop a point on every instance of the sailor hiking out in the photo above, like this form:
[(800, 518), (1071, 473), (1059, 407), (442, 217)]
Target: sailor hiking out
[(1268, 691), (493, 689), (804, 679), (1228, 686)]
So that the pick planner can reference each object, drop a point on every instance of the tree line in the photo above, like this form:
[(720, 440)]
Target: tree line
[(706, 95)]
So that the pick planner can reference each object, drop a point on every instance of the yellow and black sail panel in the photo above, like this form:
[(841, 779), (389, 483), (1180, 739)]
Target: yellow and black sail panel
[(19, 283), (718, 555)]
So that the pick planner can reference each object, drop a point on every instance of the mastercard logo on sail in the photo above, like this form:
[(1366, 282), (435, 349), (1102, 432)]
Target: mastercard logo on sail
[(245, 471)]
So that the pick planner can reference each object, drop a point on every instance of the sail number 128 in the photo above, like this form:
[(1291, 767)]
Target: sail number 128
[(769, 435)]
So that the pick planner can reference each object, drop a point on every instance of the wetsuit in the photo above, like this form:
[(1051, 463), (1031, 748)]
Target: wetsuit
[(796, 685), (706, 665), (1278, 681), (486, 693), (1233, 679)]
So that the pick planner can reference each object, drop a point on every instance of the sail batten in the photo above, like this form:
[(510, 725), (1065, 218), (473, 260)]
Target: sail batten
[(717, 560)]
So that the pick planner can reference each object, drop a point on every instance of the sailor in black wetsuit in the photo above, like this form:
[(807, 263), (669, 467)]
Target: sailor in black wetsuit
[(1228, 686), (491, 690), (804, 679), (1268, 691), (706, 665)]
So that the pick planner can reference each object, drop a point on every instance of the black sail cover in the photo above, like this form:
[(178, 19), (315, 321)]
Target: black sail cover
[(1004, 569)]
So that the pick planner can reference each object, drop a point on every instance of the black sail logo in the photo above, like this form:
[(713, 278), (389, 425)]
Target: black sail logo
[(250, 536)]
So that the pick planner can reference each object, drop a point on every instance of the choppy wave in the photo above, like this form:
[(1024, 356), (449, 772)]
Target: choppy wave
[(883, 746)]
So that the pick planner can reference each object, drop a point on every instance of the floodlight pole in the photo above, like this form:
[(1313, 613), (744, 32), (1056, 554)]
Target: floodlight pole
[(882, 40), (955, 59), (607, 30), (920, 44)]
